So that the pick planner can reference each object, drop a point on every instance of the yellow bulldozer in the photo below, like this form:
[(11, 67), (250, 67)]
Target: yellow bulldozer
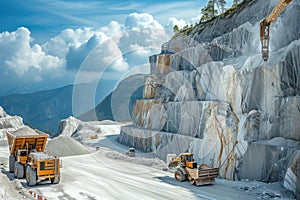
[(28, 159), (187, 169)]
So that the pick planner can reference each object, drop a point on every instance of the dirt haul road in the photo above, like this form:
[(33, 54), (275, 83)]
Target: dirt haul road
[(109, 174), (96, 176)]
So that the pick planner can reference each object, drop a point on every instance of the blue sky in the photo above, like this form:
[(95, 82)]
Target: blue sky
[(46, 18), (46, 44)]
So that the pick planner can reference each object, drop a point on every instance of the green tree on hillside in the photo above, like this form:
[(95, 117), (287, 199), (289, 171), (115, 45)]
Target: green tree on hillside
[(208, 11), (175, 29)]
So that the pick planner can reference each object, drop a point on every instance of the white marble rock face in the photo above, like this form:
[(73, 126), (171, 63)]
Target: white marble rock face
[(222, 102), (8, 123)]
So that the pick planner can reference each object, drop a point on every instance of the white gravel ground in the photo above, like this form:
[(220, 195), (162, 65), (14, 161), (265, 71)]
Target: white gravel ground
[(109, 174)]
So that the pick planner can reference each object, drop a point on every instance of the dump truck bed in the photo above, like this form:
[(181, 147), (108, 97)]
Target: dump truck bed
[(17, 141)]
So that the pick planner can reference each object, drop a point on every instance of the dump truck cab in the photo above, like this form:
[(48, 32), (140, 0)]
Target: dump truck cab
[(22, 156), (42, 165)]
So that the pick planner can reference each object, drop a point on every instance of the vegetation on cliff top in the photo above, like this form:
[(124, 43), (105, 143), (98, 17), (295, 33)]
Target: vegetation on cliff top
[(210, 18)]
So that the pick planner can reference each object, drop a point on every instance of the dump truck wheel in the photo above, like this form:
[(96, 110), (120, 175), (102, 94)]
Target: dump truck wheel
[(18, 170), (21, 171), (11, 163), (179, 176), (55, 180), (30, 176), (15, 169)]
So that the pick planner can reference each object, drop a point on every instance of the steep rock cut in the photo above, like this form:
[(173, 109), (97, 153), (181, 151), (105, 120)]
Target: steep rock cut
[(210, 93), (8, 123)]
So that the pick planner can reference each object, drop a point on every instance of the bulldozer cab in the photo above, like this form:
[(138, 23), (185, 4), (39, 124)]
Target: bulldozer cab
[(188, 160)]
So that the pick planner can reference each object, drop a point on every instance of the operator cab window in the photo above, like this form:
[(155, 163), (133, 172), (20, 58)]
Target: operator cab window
[(189, 158), (182, 158)]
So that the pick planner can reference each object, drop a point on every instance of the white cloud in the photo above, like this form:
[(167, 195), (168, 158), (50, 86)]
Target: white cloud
[(142, 31), (107, 55), (174, 21), (117, 47), (113, 29), (143, 38), (18, 54), (139, 55), (76, 55), (127, 45), (142, 20), (195, 20), (120, 65), (59, 45), (181, 22)]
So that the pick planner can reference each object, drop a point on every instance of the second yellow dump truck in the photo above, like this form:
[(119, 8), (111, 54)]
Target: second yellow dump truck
[(187, 169), (28, 159)]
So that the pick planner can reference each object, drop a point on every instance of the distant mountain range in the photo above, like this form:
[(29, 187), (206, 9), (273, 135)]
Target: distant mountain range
[(118, 105), (45, 109), (42, 110)]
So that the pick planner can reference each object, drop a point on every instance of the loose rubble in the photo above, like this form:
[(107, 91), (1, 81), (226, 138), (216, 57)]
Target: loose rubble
[(65, 146)]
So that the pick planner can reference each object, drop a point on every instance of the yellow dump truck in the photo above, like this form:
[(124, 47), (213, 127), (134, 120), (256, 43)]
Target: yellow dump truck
[(186, 169), (28, 159)]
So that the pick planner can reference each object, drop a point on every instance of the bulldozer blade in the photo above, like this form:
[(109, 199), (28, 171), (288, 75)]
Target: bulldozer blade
[(173, 163)]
